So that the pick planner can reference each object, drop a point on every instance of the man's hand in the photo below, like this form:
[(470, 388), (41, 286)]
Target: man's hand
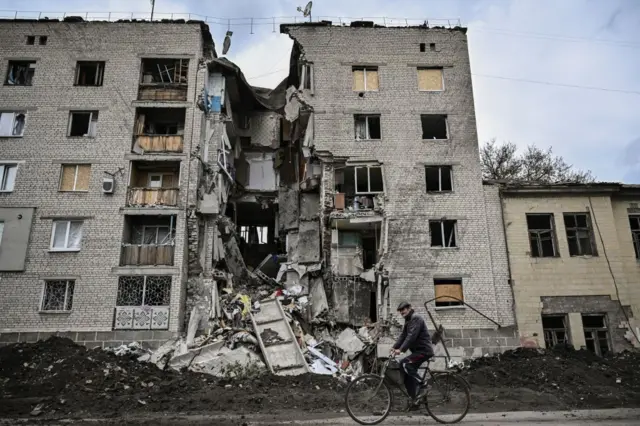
[(395, 352)]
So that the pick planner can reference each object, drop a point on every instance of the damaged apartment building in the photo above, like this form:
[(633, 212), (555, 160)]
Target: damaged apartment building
[(166, 186), (356, 182)]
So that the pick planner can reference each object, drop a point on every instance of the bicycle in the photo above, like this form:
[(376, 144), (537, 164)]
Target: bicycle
[(379, 392)]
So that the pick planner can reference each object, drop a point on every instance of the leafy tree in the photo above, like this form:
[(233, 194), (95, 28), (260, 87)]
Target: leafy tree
[(503, 162)]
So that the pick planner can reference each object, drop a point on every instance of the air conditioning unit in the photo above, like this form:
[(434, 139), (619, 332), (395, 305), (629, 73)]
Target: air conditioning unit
[(108, 185)]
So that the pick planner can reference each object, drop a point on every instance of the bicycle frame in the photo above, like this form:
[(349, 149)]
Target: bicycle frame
[(383, 375)]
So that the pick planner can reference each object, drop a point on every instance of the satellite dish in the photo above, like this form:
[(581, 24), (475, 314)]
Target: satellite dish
[(307, 9), (227, 42)]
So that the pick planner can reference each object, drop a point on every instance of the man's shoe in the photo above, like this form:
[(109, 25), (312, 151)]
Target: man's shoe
[(413, 405)]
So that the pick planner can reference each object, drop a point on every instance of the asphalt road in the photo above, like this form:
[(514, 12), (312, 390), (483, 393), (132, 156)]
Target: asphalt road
[(617, 417)]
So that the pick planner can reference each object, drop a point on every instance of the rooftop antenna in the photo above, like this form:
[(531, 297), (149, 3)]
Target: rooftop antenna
[(227, 42), (153, 6), (307, 10)]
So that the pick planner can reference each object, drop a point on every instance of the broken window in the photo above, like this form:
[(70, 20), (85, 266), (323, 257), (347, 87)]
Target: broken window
[(423, 47), (448, 292), (555, 330), (432, 47), (365, 79), (367, 127), (160, 180), (634, 223), (368, 179), (75, 177), (20, 73), (254, 234), (43, 40), (66, 235), (83, 123), (89, 73), (57, 295), (430, 79), (596, 333), (12, 123), (306, 76), (434, 126), (31, 40), (139, 290), (439, 178), (155, 235), (443, 233), (1, 232), (160, 121), (541, 235), (164, 71), (8, 177), (579, 234)]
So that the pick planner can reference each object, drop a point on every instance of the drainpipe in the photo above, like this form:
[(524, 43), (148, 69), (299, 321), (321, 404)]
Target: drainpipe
[(506, 244)]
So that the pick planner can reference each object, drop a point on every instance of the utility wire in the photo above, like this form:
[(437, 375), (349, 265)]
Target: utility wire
[(547, 83), (622, 43)]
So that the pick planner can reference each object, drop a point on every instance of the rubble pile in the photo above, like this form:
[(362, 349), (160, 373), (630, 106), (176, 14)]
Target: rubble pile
[(579, 379), (57, 377)]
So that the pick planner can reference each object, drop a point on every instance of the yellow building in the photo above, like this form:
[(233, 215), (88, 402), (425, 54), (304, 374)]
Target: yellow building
[(574, 254)]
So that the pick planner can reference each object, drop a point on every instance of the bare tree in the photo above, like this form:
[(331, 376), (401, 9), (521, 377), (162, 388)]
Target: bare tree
[(503, 162)]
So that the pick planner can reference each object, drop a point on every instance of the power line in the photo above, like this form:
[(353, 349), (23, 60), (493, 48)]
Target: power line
[(621, 43), (269, 73), (548, 83)]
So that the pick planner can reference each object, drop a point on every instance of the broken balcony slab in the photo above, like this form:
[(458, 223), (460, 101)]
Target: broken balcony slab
[(195, 356), (230, 363), (288, 208), (309, 206)]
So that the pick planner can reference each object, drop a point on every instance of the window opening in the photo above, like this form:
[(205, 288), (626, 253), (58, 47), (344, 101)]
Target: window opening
[(58, 295), (579, 234), (541, 235), (367, 127), (434, 126), (555, 330), (443, 233), (596, 334), (83, 123), (439, 178)]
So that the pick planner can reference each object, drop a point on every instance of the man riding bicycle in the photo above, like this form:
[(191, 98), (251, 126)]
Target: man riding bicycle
[(414, 337)]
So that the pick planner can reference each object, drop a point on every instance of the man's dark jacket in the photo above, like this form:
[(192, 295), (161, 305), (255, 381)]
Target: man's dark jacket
[(414, 336)]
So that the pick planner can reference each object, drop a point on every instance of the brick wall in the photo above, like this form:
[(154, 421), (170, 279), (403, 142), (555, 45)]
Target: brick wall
[(403, 153), (45, 146), (543, 279)]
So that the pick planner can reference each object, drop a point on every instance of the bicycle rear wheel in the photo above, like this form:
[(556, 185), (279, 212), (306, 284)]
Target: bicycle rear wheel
[(447, 399), (368, 399)]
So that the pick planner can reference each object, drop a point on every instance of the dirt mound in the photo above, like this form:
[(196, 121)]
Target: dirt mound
[(69, 379), (579, 379)]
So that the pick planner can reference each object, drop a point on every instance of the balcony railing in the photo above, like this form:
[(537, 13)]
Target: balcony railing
[(158, 197), (159, 143), (147, 254), (162, 92)]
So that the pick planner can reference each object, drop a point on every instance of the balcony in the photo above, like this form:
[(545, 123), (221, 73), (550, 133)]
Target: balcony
[(359, 188), (164, 80), (148, 241), (159, 130), (153, 184)]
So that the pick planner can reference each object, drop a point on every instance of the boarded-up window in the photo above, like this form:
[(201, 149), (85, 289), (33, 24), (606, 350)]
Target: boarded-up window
[(448, 292), (75, 177), (430, 79), (365, 79)]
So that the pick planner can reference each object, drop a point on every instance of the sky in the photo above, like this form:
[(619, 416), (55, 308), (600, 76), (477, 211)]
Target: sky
[(559, 73)]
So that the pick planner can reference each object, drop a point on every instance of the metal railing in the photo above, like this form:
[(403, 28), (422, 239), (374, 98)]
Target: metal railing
[(230, 23)]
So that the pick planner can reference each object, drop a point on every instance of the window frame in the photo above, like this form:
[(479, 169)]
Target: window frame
[(157, 232), (446, 127), (1, 231), (144, 290), (91, 120), (441, 69), (552, 331), (75, 178), (68, 222), (13, 124), (442, 234), (13, 62), (635, 234), (365, 69), (66, 308), (368, 167), (439, 167), (101, 65), (589, 229), (367, 130), (4, 173), (554, 241), (594, 333)]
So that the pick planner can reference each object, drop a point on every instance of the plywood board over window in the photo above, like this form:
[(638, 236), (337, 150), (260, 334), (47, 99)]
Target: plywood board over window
[(75, 177), (448, 291), (365, 79), (430, 79)]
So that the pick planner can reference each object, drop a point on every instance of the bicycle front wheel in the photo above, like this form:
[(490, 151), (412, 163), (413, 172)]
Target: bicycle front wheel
[(447, 399), (368, 399)]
